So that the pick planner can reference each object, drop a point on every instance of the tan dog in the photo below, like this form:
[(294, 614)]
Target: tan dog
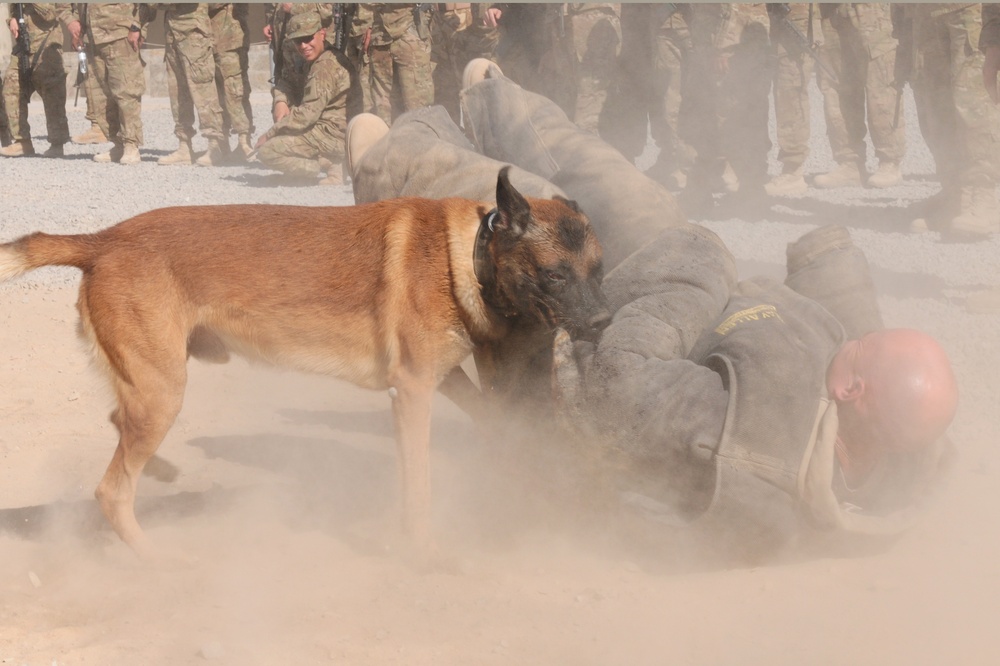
[(390, 295)]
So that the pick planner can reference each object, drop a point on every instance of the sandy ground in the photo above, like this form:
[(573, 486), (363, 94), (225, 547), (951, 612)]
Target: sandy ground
[(286, 500)]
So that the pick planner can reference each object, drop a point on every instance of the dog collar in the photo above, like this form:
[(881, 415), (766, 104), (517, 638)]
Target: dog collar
[(481, 264)]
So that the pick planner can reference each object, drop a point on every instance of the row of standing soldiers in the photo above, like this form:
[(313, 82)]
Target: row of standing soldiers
[(697, 75)]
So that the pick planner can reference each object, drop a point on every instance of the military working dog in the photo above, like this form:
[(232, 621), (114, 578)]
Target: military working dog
[(391, 295)]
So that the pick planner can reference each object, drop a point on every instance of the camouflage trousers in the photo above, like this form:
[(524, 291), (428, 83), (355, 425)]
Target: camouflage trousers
[(454, 42), (865, 100), (232, 81), (299, 154), (191, 85), (402, 67), (791, 106), (362, 64), (115, 84), (957, 119), (597, 42), (668, 82), (48, 79), (733, 110)]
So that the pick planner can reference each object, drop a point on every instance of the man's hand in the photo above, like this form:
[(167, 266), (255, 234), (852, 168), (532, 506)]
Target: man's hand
[(12, 24), (75, 33), (492, 18), (268, 34), (135, 40), (279, 111), (261, 140), (991, 66), (366, 40)]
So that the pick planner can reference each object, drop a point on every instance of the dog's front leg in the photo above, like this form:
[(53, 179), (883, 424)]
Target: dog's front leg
[(411, 410)]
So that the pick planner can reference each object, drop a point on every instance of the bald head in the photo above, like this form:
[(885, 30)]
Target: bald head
[(895, 389)]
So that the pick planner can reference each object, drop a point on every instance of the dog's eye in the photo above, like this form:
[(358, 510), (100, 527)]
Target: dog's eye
[(554, 276)]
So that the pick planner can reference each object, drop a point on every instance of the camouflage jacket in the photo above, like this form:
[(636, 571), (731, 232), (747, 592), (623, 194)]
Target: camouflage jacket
[(42, 21), (183, 19), (391, 21), (321, 103), (719, 26), (108, 22), (229, 25)]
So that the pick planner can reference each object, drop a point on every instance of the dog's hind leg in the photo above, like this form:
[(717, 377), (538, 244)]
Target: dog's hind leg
[(144, 349)]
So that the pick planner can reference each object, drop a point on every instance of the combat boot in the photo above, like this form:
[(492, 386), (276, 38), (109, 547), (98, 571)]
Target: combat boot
[(130, 154), (215, 155), (183, 155), (888, 174), (93, 135), (979, 215), (847, 174), (113, 155), (934, 213), (244, 148), (18, 149), (334, 175), (55, 150), (787, 184), (364, 130)]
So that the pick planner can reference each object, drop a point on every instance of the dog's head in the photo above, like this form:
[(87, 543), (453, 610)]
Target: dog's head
[(543, 261)]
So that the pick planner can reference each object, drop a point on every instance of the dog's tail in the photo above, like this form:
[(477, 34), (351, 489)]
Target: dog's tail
[(38, 249)]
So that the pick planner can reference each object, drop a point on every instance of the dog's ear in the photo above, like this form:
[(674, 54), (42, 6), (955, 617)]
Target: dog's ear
[(513, 209), (569, 203)]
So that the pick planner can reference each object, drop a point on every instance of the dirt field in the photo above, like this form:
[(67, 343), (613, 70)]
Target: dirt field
[(284, 509)]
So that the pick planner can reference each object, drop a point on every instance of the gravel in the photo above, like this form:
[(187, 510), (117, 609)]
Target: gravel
[(923, 282)]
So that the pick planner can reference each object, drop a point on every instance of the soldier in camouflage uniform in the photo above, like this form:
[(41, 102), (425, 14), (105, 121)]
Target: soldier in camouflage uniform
[(47, 77), (793, 71), (287, 63), (653, 78), (231, 46), (731, 63), (459, 33), (308, 133), (957, 118), (860, 48), (191, 83), (400, 51), (115, 78), (5, 137), (95, 98), (358, 40), (594, 40)]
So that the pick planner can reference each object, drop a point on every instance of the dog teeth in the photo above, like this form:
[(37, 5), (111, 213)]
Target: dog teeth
[(393, 392)]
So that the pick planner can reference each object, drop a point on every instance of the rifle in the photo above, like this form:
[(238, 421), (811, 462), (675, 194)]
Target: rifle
[(22, 49), (277, 55), (779, 12), (342, 12), (420, 10)]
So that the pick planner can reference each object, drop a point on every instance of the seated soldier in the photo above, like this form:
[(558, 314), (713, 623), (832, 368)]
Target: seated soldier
[(749, 411), (309, 121)]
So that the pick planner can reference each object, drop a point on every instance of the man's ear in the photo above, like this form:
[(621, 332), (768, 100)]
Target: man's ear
[(513, 210), (850, 393)]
